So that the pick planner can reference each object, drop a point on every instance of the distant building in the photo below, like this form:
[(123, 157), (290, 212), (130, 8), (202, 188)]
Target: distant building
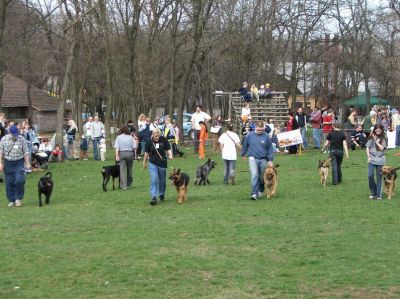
[(44, 107)]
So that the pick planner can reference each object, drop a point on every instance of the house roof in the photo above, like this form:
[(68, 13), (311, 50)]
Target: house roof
[(361, 101), (15, 95)]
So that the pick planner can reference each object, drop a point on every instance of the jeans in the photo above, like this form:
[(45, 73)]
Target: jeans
[(96, 142), (316, 134), (14, 173), (303, 131), (196, 141), (125, 168), (157, 180), (397, 135), (375, 189), (337, 158), (229, 169), (257, 168)]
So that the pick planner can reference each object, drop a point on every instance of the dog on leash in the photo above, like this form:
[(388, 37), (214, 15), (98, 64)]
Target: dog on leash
[(271, 180), (45, 186), (181, 181), (323, 170), (110, 172), (203, 171), (389, 175)]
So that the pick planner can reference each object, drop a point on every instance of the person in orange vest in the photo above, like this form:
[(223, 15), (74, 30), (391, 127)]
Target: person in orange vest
[(202, 139)]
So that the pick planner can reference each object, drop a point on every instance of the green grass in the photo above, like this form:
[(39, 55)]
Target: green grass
[(308, 242)]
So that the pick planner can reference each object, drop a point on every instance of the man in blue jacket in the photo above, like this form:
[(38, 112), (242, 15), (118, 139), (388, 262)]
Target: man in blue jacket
[(258, 147)]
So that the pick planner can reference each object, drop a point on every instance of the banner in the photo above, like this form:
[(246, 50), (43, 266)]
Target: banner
[(391, 136), (289, 138)]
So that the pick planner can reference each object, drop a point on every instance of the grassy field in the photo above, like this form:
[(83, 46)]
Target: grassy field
[(308, 242)]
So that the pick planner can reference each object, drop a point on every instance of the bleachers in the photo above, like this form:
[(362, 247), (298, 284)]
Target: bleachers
[(275, 108)]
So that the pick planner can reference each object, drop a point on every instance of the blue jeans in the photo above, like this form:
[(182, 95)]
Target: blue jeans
[(316, 134), (157, 180), (337, 158), (375, 189), (96, 141), (303, 132), (257, 168), (229, 169), (397, 135), (14, 173)]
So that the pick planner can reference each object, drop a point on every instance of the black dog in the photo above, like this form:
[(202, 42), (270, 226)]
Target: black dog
[(110, 171), (203, 171), (45, 186)]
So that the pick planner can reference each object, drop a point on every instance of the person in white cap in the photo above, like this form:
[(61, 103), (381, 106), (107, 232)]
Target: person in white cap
[(14, 150)]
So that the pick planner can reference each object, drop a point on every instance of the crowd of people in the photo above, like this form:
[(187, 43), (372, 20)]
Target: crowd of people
[(21, 149), (254, 93)]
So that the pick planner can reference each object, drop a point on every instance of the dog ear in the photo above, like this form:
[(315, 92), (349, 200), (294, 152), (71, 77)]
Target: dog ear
[(394, 169), (209, 160), (178, 171)]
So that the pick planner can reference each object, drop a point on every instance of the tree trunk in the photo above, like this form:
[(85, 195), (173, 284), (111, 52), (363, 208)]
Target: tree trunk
[(64, 91)]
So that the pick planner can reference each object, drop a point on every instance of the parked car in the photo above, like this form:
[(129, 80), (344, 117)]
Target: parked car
[(187, 123)]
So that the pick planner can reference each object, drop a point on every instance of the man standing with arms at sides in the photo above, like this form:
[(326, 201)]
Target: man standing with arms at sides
[(301, 119), (98, 132), (87, 130), (258, 147), (14, 150), (197, 117)]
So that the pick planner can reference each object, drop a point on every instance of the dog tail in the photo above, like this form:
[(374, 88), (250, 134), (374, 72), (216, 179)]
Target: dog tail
[(48, 174)]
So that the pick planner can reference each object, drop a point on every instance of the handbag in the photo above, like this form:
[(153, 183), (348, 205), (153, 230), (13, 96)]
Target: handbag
[(215, 130)]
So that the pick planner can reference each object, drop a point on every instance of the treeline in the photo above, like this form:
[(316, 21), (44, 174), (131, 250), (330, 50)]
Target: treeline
[(127, 57)]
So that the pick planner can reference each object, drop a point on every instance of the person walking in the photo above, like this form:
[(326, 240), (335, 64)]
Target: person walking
[(197, 117), (258, 147), (98, 132), (125, 146), (14, 150), (375, 148), (336, 140), (156, 150), (229, 141)]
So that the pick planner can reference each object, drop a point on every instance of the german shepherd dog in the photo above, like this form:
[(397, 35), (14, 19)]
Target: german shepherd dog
[(181, 181), (108, 172), (203, 171), (271, 180), (45, 186), (323, 169), (389, 177)]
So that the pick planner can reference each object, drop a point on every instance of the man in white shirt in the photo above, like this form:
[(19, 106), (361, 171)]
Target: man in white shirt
[(98, 132), (197, 117), (87, 130), (229, 141)]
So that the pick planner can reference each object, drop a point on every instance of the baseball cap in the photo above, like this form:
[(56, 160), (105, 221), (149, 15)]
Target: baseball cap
[(13, 130)]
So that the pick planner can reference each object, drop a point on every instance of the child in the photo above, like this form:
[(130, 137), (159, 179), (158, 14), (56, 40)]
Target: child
[(56, 154), (103, 149), (83, 155), (135, 146), (203, 137)]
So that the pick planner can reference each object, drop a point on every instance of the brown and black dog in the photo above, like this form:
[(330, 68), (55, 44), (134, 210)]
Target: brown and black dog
[(271, 180), (323, 169), (389, 177), (181, 181)]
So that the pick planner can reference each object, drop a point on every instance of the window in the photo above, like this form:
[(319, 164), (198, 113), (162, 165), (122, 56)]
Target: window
[(16, 113)]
